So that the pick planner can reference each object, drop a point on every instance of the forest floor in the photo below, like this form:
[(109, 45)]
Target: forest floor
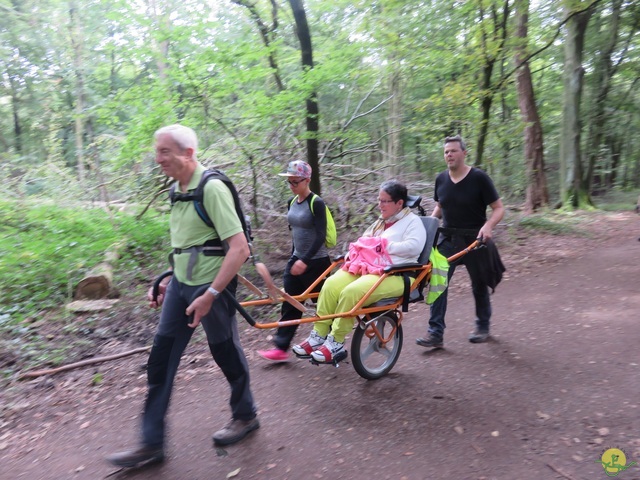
[(556, 387)]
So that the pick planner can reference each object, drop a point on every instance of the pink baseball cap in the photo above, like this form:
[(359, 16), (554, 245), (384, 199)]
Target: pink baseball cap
[(297, 168)]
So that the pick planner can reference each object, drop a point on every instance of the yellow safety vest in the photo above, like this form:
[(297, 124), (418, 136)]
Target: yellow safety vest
[(438, 279)]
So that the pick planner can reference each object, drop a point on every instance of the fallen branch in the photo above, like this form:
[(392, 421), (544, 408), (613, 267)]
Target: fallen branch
[(560, 472), (83, 363), (148, 205)]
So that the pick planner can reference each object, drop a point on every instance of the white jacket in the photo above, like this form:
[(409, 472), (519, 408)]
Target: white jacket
[(406, 239)]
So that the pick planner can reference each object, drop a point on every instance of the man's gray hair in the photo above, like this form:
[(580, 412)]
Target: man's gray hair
[(185, 137)]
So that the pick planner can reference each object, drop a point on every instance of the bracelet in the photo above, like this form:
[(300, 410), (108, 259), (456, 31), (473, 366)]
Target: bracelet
[(213, 292)]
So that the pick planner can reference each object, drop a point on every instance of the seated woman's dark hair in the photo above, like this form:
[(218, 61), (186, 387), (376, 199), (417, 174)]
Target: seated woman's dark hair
[(396, 190)]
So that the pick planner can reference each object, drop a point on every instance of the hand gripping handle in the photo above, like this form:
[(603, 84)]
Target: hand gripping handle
[(156, 284), (225, 292)]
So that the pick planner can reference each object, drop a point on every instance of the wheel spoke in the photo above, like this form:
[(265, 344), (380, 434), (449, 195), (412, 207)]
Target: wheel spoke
[(372, 357)]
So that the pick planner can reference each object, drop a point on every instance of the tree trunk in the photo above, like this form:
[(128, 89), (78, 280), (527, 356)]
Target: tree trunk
[(537, 194), (394, 145), (163, 22), (492, 48), (17, 127), (605, 69), (99, 282), (603, 74), (573, 192), (487, 100), (265, 34), (304, 36), (615, 143), (76, 44)]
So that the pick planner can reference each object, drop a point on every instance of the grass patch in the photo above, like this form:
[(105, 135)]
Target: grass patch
[(555, 224), (617, 200), (616, 207), (45, 250)]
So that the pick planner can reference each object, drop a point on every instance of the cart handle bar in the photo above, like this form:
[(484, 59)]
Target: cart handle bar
[(228, 295)]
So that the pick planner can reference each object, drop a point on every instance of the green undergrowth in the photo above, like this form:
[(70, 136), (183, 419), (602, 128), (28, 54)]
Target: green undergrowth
[(617, 200), (561, 222), (555, 224), (46, 249)]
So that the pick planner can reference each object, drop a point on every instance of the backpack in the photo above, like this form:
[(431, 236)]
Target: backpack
[(331, 239), (197, 197)]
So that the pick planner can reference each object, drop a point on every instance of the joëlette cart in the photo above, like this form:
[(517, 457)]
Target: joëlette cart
[(377, 339)]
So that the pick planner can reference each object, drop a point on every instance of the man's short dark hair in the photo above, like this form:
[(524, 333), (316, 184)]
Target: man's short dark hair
[(458, 139)]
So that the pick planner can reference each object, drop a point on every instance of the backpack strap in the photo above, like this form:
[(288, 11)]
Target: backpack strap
[(196, 196), (211, 247), (313, 199), (290, 202), (236, 201), (198, 201), (310, 199)]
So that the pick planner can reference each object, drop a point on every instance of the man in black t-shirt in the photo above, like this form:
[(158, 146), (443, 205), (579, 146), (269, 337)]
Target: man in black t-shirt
[(462, 194)]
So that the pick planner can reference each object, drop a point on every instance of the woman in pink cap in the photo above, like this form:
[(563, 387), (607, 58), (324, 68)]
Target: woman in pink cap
[(309, 258)]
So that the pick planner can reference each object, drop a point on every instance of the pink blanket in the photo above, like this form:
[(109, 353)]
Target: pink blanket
[(368, 255)]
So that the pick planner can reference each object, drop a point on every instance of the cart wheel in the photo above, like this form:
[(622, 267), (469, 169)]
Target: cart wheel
[(371, 357)]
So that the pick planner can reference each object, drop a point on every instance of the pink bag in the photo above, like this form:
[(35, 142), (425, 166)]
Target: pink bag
[(368, 255)]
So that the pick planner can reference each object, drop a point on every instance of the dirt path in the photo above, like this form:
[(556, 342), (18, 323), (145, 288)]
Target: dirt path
[(557, 386)]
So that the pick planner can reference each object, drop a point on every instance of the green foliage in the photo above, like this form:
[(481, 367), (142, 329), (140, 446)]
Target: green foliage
[(134, 66), (617, 200), (45, 250)]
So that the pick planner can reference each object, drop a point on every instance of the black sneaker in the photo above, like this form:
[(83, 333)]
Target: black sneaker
[(479, 336), (430, 342)]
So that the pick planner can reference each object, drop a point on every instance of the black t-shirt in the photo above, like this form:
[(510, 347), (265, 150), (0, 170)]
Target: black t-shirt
[(464, 204)]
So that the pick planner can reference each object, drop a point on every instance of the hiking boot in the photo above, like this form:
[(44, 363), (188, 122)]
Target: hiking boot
[(329, 351), (312, 343), (479, 336), (235, 431), (275, 355), (430, 342), (136, 458)]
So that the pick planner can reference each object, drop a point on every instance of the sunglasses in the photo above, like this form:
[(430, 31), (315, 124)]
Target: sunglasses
[(294, 183)]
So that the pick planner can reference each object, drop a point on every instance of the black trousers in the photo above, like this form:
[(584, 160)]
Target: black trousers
[(171, 339), (474, 261), (295, 285)]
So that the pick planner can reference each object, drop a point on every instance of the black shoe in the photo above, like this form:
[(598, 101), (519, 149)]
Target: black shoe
[(235, 431), (479, 336), (430, 342), (137, 458)]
